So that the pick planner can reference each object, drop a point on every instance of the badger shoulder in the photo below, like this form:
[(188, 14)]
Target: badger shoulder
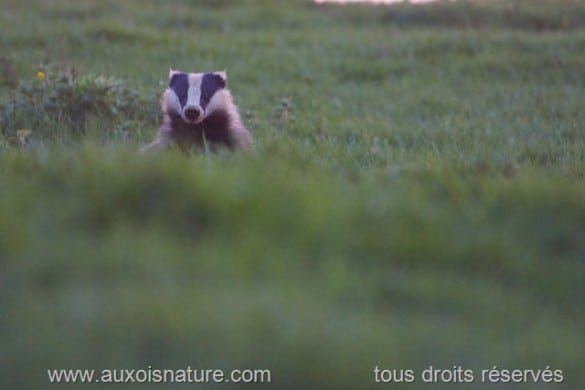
[(224, 124)]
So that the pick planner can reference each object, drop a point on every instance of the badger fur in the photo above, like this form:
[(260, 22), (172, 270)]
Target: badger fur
[(199, 112)]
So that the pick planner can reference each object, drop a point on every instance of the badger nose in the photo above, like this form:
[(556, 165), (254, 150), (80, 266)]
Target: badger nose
[(192, 113)]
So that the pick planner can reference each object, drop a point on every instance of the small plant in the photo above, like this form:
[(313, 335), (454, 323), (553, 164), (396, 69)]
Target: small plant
[(61, 96), (282, 114)]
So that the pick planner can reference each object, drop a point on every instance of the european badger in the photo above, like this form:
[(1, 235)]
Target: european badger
[(199, 112)]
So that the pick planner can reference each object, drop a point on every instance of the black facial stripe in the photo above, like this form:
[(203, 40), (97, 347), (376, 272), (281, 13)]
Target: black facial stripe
[(179, 83), (210, 84)]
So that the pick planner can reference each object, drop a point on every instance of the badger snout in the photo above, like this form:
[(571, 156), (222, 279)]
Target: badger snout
[(192, 114)]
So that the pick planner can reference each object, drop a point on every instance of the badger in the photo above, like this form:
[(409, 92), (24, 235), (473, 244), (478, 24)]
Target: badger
[(199, 112)]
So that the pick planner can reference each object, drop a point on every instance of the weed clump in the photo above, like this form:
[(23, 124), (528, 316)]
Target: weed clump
[(64, 100)]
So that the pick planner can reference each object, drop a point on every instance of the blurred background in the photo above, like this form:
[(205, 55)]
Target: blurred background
[(416, 196)]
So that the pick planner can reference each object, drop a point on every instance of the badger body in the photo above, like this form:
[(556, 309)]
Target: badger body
[(199, 112)]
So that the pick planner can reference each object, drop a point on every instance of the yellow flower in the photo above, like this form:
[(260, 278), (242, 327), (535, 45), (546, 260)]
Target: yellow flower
[(41, 75)]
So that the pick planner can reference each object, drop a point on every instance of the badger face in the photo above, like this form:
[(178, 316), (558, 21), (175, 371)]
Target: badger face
[(192, 95)]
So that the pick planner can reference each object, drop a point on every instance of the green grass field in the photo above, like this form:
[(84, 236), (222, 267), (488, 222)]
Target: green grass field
[(416, 197)]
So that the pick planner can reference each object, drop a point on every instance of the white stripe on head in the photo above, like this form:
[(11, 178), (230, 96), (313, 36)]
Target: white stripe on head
[(170, 101), (194, 92), (221, 100)]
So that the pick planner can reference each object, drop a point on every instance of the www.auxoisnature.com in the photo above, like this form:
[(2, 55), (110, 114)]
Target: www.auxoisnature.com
[(156, 375)]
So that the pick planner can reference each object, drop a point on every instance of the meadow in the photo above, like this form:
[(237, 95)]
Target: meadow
[(416, 196)]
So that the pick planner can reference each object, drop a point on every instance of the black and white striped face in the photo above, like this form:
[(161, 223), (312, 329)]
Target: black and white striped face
[(191, 95)]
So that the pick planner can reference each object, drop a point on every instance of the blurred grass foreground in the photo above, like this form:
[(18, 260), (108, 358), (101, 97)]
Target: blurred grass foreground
[(416, 198)]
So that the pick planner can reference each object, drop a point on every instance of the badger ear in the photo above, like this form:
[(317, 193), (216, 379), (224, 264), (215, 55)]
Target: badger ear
[(221, 77)]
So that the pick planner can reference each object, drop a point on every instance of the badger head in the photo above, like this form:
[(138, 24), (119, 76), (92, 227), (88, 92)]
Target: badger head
[(193, 96)]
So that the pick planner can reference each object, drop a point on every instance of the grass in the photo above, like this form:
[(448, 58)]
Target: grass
[(416, 197)]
